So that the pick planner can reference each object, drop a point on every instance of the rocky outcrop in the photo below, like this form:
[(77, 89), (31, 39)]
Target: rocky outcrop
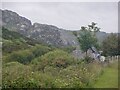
[(48, 34), (13, 21)]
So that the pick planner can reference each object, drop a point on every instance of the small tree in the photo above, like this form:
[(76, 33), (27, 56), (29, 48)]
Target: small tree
[(87, 37)]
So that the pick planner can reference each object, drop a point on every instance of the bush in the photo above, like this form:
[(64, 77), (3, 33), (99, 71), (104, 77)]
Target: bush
[(10, 46), (39, 50), (56, 58), (26, 56), (88, 59), (16, 75), (23, 56), (69, 49), (82, 75), (13, 74)]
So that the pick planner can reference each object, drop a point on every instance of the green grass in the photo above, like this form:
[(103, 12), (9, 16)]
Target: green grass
[(109, 79)]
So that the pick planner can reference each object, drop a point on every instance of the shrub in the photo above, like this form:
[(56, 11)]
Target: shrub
[(16, 75), (12, 72), (39, 50), (56, 58), (88, 59), (82, 75), (69, 49), (27, 55), (10, 46), (23, 56)]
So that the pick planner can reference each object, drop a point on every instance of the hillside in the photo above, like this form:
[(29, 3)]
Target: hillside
[(44, 56), (13, 41), (48, 34), (43, 33)]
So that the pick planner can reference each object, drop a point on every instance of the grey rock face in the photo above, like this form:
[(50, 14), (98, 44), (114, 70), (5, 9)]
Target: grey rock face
[(68, 38), (15, 22), (48, 34)]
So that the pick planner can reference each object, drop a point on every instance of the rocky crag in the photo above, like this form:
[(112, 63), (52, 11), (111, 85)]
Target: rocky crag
[(47, 34)]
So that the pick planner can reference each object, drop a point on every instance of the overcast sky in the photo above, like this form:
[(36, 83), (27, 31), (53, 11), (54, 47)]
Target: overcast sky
[(70, 16)]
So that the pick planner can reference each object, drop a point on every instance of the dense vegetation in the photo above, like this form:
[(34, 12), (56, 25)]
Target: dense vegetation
[(110, 45), (13, 41), (30, 64)]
